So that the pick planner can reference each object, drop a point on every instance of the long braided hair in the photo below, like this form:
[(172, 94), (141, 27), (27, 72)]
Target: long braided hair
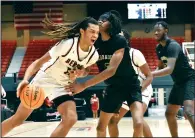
[(64, 31), (115, 23)]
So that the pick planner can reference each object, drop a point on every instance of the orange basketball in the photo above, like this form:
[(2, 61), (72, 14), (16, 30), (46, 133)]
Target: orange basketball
[(32, 97)]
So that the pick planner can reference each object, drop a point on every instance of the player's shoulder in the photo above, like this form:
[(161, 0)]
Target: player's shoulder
[(66, 42), (174, 43), (119, 41), (136, 51)]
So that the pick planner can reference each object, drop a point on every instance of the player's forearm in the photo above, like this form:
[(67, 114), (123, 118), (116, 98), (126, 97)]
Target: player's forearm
[(31, 70), (109, 72), (162, 72)]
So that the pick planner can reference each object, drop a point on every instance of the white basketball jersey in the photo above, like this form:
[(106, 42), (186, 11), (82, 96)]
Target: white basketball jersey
[(137, 60), (65, 57)]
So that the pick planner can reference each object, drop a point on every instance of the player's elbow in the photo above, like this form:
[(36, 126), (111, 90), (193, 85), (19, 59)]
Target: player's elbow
[(170, 70), (111, 71)]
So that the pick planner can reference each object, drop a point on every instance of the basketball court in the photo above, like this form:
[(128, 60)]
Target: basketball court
[(87, 128)]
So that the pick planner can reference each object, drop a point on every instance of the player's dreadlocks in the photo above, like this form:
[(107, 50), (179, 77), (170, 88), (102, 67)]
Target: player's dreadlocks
[(63, 31)]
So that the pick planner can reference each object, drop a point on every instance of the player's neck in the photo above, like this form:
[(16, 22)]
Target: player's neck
[(105, 36), (84, 47), (164, 41)]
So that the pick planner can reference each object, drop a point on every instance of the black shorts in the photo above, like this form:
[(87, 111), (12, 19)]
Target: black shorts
[(113, 97), (61, 99), (182, 92)]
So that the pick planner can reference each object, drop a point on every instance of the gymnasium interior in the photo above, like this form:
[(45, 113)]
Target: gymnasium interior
[(22, 42)]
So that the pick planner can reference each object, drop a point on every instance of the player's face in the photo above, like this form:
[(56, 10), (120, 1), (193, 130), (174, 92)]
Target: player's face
[(159, 32), (91, 34), (104, 25)]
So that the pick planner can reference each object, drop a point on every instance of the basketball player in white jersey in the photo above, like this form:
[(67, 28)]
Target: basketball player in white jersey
[(75, 51), (138, 61)]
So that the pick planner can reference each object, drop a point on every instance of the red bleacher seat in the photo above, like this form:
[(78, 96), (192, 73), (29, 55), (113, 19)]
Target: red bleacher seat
[(7, 47), (35, 49)]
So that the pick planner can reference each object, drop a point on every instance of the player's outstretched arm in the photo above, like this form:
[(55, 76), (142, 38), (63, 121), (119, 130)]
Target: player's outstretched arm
[(107, 73)]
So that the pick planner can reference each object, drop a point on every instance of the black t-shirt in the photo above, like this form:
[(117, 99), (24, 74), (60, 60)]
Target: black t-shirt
[(125, 73), (182, 70)]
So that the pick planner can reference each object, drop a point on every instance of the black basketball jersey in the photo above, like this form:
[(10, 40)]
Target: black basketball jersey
[(125, 74), (182, 70)]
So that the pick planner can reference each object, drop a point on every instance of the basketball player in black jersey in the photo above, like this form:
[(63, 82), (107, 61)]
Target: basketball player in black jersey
[(172, 61), (118, 74), (145, 77)]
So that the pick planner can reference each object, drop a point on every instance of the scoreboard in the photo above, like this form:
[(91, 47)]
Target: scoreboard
[(147, 11)]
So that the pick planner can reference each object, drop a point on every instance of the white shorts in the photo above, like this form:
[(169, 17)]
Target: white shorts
[(51, 88), (146, 96)]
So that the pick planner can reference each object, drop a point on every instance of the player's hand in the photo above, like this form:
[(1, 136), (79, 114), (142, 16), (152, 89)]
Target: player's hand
[(77, 73), (80, 72), (72, 75), (21, 85), (75, 88)]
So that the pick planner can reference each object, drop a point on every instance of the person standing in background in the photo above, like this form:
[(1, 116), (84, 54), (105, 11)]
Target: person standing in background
[(172, 61), (94, 105)]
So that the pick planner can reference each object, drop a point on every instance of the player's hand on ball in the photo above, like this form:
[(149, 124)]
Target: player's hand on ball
[(21, 85), (75, 88)]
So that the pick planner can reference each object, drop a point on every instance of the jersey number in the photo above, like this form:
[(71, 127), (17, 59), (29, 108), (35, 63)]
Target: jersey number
[(67, 72)]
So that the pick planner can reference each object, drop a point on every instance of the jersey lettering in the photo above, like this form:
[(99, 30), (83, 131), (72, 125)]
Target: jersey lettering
[(73, 63)]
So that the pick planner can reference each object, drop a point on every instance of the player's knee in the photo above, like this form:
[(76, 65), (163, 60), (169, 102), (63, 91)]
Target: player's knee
[(69, 118), (113, 122), (100, 128), (169, 114), (189, 112), (138, 124)]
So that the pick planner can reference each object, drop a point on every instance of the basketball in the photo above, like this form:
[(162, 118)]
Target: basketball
[(32, 97)]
